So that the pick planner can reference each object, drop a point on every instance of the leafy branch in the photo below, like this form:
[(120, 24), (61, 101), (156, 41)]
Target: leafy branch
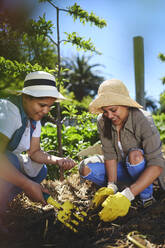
[(78, 13), (80, 42)]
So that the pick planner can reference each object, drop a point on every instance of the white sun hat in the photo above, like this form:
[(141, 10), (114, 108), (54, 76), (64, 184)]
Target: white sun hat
[(41, 84)]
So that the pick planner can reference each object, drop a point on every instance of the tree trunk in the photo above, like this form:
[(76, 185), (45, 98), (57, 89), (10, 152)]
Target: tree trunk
[(59, 125)]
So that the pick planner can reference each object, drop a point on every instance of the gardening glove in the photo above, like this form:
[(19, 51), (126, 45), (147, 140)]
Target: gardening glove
[(103, 193), (116, 205)]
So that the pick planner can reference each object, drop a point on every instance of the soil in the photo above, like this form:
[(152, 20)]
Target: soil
[(32, 225)]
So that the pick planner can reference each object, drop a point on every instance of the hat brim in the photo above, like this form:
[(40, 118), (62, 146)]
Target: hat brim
[(111, 99), (44, 91)]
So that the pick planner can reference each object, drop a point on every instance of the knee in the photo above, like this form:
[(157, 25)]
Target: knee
[(135, 157), (85, 170)]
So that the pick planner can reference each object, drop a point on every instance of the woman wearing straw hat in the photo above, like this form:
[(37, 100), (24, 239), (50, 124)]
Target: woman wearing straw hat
[(20, 130), (131, 151)]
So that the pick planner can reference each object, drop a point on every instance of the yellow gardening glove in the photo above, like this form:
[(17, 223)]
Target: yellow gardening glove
[(103, 193), (116, 205)]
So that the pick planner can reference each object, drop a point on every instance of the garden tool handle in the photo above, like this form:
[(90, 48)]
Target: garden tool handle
[(50, 200)]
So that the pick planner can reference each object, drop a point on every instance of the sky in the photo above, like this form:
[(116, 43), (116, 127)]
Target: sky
[(125, 20)]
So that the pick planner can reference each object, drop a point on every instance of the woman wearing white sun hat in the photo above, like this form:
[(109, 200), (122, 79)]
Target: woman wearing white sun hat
[(20, 130), (131, 149)]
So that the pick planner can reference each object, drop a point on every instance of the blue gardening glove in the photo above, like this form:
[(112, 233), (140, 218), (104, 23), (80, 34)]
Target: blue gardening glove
[(103, 193), (116, 205)]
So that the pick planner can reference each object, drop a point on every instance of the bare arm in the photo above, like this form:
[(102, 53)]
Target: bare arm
[(40, 156), (147, 177), (111, 170)]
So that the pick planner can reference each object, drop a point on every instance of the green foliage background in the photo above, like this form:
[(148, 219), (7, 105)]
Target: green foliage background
[(160, 123), (78, 134)]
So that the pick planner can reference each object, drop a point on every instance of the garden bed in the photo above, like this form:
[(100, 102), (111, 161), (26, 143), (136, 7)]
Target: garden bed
[(32, 225)]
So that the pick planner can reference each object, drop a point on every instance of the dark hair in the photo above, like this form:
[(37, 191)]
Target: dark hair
[(107, 127)]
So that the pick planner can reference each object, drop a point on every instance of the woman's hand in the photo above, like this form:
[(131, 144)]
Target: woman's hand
[(35, 191), (66, 163)]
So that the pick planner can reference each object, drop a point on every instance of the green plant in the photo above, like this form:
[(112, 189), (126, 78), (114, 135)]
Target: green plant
[(160, 123), (78, 132)]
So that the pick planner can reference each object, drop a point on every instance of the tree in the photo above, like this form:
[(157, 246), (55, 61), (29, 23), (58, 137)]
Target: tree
[(24, 47), (27, 44), (37, 46), (82, 79), (77, 13)]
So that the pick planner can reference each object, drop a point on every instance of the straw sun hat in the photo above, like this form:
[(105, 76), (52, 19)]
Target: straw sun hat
[(112, 92), (41, 84)]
